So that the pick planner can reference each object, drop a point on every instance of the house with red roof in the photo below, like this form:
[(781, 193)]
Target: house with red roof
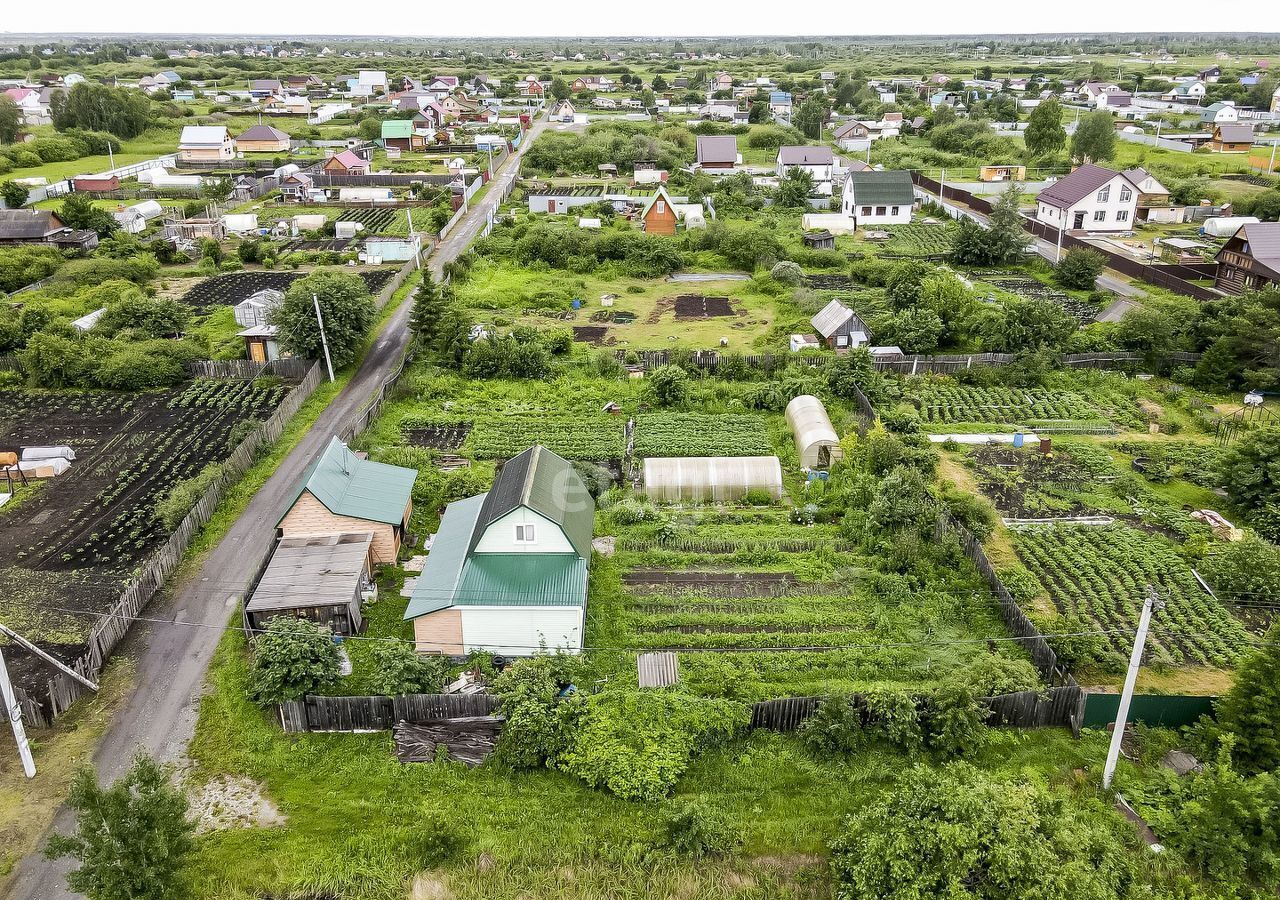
[(346, 163)]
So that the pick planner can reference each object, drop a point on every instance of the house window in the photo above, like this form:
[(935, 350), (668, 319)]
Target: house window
[(842, 340), (879, 210), (662, 207), (1122, 215), (524, 534), (1105, 194), (1125, 195), (1100, 215), (866, 210), (894, 211)]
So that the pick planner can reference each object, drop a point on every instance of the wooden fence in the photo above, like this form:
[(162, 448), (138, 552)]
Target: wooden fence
[(944, 364), (1059, 707), (1026, 632), (247, 368), (115, 624), (313, 713)]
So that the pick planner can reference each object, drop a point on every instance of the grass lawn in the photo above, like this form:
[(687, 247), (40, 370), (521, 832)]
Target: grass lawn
[(504, 290), (351, 811)]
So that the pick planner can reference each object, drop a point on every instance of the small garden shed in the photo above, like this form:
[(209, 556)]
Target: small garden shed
[(723, 479), (319, 577), (817, 443)]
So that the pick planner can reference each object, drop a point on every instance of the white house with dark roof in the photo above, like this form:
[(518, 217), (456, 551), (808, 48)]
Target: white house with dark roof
[(206, 143), (1091, 198), (818, 161)]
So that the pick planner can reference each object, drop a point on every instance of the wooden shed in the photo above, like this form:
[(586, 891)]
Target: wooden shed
[(321, 578), (342, 493), (819, 240)]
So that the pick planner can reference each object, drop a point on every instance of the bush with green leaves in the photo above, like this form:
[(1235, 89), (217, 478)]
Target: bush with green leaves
[(1079, 269), (292, 657), (956, 832), (695, 828), (637, 744), (397, 669), (669, 385), (1250, 711), (835, 728), (1247, 569), (347, 309), (538, 719)]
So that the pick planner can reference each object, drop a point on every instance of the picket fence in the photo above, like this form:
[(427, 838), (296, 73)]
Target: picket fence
[(114, 625)]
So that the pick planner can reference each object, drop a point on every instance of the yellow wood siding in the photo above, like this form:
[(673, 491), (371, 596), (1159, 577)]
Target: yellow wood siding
[(310, 516), (439, 632), (263, 146)]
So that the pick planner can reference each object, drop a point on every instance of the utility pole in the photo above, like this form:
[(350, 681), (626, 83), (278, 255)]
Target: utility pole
[(14, 713), (1130, 679), (324, 341)]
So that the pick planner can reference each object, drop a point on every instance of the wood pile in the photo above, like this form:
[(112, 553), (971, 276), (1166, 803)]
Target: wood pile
[(468, 739)]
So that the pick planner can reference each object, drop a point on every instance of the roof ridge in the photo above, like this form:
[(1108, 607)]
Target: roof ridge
[(526, 489)]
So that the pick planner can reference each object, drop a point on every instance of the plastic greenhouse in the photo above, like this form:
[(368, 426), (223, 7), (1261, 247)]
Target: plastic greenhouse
[(717, 478), (816, 441)]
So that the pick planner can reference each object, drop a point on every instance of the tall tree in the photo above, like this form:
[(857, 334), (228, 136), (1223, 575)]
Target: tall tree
[(1095, 138), (10, 120), (1251, 709), (131, 839), (1045, 134), (428, 306), (808, 119), (347, 309), (96, 107)]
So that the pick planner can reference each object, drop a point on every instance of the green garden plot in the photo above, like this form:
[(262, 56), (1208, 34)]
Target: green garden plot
[(1100, 574), (943, 404), (571, 437), (694, 434)]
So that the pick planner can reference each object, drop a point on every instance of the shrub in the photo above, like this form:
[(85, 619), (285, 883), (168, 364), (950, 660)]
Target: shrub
[(1079, 269), (695, 828), (183, 496), (537, 725), (757, 497), (1251, 709), (670, 385), (638, 743), (135, 369), (292, 657), (787, 273), (835, 728), (955, 721), (400, 669)]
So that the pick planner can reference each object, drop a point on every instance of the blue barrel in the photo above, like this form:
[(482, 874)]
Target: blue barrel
[(577, 304), (1018, 439)]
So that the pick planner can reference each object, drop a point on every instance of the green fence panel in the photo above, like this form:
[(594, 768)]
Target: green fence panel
[(1169, 710)]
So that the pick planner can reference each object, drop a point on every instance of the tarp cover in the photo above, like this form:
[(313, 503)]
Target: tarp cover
[(48, 452)]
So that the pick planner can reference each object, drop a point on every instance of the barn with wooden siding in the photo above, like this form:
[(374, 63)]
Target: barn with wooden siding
[(342, 493), (321, 578)]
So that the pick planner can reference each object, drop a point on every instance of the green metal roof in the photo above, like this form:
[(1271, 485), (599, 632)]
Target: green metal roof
[(891, 187), (550, 486), (397, 128), (442, 571), (523, 579), (360, 488)]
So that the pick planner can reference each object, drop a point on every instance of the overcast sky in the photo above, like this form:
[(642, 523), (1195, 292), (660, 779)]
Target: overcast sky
[(656, 17)]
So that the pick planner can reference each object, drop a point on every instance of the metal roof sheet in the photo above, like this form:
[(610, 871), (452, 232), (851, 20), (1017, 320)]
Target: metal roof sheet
[(350, 486), (442, 571), (805, 155), (891, 187), (1071, 189), (550, 486), (203, 136), (523, 579), (830, 318), (261, 132), (322, 570), (397, 128), (717, 148)]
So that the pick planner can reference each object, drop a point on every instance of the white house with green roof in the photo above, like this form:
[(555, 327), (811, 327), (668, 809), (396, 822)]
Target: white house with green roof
[(507, 572)]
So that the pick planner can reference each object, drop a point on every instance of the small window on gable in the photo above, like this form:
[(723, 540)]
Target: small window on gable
[(524, 534), (662, 207), (1105, 194)]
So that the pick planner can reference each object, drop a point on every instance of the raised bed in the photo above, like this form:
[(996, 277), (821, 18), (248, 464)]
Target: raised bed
[(696, 306), (230, 289)]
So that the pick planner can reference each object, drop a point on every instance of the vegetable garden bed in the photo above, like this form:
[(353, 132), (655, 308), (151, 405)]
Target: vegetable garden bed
[(75, 543), (230, 289), (1101, 573), (943, 404), (694, 434)]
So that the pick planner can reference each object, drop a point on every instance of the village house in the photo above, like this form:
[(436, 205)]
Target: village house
[(717, 154), (817, 160), (1091, 198), (287, 105), (1187, 92), (346, 163), (401, 134), (852, 136), (1250, 259), (264, 87), (561, 111), (878, 198), (659, 215), (840, 327), (507, 572), (1232, 137), (1153, 197), (262, 139), (42, 226), (1217, 113), (297, 186), (341, 493), (205, 143)]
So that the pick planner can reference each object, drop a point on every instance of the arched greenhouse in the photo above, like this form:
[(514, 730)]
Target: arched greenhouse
[(817, 443), (721, 479)]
